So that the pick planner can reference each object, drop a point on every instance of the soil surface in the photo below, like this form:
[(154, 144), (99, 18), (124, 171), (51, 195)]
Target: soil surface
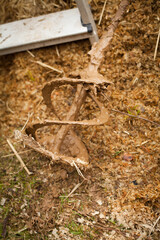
[(120, 195)]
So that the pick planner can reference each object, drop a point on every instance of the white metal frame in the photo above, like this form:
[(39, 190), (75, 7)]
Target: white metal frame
[(50, 29)]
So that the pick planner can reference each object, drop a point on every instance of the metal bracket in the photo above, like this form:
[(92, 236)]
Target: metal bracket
[(88, 25), (87, 18)]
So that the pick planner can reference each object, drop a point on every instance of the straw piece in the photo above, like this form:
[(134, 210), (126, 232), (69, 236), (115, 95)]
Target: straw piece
[(29, 116), (57, 51), (18, 157), (48, 66), (156, 48), (130, 115), (155, 225), (9, 109), (29, 52), (79, 171), (100, 19), (12, 154), (74, 189)]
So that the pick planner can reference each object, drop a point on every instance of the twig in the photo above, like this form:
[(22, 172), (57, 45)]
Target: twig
[(156, 48), (18, 157), (94, 2), (48, 66), (12, 154), (100, 19), (1, 101), (29, 116), (21, 230), (130, 115), (154, 225), (57, 51), (79, 171), (8, 108), (74, 189), (4, 226), (31, 53)]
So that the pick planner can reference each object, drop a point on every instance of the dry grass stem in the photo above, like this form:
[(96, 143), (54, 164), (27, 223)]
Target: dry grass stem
[(12, 154), (29, 116), (29, 52), (100, 19), (74, 189), (21, 230), (79, 171), (2, 102), (156, 48), (130, 115), (57, 51), (48, 66), (18, 157), (155, 224), (9, 109)]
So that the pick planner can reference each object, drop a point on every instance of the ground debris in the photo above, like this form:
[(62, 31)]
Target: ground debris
[(125, 194)]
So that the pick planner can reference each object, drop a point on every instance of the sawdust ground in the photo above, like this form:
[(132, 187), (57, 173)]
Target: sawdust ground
[(121, 198)]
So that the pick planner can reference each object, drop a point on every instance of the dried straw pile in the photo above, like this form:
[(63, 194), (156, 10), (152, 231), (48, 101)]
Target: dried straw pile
[(122, 195)]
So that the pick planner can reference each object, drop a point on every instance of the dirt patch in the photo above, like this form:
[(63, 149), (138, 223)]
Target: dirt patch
[(120, 198)]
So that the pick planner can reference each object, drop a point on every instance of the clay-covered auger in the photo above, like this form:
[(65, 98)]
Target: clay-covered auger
[(90, 80), (71, 140)]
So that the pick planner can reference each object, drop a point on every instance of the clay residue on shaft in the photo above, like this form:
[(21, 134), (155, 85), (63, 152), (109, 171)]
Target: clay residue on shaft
[(72, 115), (98, 49)]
